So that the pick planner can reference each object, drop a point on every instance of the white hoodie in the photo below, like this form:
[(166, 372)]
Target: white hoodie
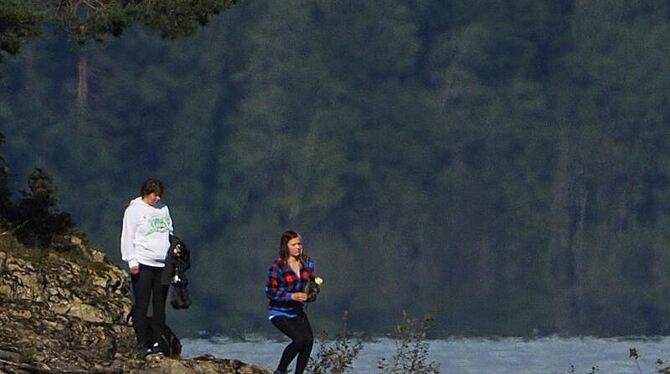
[(145, 237)]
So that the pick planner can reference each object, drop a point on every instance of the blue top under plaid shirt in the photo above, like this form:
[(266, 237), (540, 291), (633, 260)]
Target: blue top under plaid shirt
[(282, 282)]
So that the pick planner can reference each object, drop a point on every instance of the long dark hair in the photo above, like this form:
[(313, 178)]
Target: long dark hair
[(283, 247)]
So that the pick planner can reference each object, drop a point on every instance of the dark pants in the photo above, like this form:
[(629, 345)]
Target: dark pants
[(300, 332), (147, 286)]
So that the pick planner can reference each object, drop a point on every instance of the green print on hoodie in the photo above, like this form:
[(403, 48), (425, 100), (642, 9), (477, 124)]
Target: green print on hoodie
[(158, 224)]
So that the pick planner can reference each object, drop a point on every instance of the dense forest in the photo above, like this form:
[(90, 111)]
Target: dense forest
[(504, 165)]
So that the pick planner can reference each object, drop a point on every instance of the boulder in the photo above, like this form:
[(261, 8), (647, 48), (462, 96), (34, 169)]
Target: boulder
[(65, 311)]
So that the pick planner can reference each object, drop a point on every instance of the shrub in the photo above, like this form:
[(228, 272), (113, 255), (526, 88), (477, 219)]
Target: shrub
[(34, 219), (411, 355), (336, 356)]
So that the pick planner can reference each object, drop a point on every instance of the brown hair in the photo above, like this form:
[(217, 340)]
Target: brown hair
[(283, 246), (151, 185)]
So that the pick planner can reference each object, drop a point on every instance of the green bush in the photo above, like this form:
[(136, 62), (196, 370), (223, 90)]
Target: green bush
[(411, 355), (336, 356), (34, 219)]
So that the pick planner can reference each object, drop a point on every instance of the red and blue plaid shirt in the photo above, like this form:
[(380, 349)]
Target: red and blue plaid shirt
[(282, 282)]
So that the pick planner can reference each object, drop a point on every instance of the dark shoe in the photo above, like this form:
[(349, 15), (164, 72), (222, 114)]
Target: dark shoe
[(141, 350), (154, 350), (279, 372)]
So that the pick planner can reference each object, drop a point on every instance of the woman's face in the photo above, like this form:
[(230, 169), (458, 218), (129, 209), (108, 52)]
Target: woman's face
[(152, 198), (295, 247)]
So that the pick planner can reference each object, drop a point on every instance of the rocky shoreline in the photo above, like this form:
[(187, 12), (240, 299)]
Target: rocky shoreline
[(64, 311)]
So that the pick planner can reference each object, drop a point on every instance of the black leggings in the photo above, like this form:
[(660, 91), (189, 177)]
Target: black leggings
[(300, 332), (145, 285)]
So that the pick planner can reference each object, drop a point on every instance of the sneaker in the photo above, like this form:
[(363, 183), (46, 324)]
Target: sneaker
[(154, 350)]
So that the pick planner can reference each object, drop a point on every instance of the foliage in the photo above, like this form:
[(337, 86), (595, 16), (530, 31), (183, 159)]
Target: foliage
[(336, 356), (86, 20), (23, 20), (28, 354), (411, 355), (510, 160), (19, 23), (593, 370), (662, 367), (35, 220)]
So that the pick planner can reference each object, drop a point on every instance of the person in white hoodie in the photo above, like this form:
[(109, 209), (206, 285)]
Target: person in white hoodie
[(145, 241)]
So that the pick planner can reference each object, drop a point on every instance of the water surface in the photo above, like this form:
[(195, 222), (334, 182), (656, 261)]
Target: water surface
[(475, 355)]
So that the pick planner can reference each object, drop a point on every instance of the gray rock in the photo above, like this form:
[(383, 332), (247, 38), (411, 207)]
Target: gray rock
[(68, 314), (11, 356)]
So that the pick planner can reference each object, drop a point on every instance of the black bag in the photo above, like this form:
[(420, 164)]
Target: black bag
[(168, 344), (176, 265), (180, 298)]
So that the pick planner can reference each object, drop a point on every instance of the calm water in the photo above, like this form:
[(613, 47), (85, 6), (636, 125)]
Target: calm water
[(509, 355)]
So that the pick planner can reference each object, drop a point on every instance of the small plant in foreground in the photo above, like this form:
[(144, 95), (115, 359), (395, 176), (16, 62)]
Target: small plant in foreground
[(662, 367), (632, 354), (411, 355), (336, 356)]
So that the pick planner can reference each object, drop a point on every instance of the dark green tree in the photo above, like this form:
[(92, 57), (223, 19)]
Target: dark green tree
[(36, 221), (505, 160), (19, 23)]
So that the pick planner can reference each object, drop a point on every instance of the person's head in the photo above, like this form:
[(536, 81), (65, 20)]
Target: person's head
[(290, 245), (151, 191)]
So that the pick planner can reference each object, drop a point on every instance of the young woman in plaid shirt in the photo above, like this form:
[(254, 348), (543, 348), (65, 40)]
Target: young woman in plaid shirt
[(285, 288)]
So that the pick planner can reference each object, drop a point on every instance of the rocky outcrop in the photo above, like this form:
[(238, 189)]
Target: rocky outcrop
[(65, 311)]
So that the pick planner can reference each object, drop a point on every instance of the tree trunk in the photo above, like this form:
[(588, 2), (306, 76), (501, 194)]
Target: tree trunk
[(82, 81)]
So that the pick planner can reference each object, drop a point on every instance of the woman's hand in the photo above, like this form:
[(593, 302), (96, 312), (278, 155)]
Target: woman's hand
[(299, 296), (135, 270)]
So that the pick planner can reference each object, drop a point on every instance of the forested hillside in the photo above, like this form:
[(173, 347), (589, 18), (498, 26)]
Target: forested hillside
[(502, 164)]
